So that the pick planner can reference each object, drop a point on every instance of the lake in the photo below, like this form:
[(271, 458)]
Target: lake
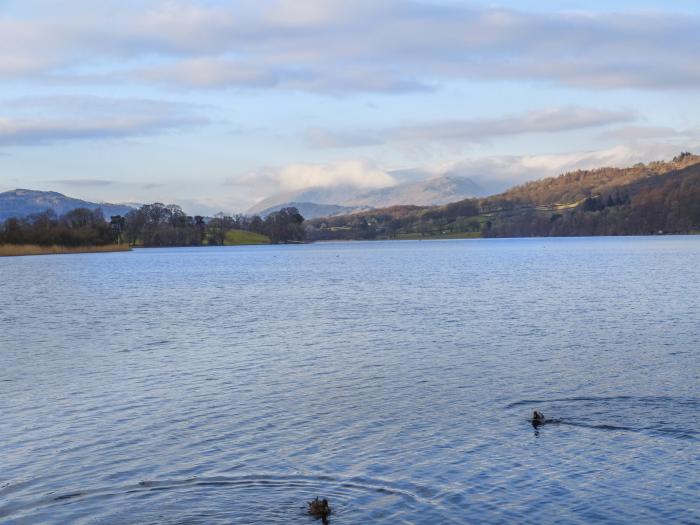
[(232, 385)]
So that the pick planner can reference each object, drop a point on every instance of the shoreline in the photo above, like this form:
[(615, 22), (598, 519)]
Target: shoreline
[(470, 236), (21, 250)]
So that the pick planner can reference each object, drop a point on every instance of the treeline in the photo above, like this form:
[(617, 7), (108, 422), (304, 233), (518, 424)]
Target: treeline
[(79, 227), (399, 221), (160, 225), (151, 225), (642, 200)]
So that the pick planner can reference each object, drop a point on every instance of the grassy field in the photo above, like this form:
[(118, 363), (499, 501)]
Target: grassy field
[(13, 250), (240, 237)]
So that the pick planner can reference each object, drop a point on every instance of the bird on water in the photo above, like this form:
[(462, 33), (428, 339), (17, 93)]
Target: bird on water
[(320, 509), (537, 418)]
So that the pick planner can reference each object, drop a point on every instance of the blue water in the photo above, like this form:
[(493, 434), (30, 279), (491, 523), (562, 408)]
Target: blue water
[(232, 385)]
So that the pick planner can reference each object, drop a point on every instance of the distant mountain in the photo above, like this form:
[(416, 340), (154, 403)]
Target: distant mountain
[(319, 196), (20, 203), (309, 210), (435, 191), (431, 192)]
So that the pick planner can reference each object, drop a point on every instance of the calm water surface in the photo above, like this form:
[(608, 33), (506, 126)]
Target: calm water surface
[(231, 385)]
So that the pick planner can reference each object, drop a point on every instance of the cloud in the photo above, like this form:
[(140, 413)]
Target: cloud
[(498, 173), (474, 130), (335, 46), (45, 120), (355, 173), (17, 132), (644, 133), (219, 73), (324, 138), (214, 73), (152, 185), (82, 182), (360, 174)]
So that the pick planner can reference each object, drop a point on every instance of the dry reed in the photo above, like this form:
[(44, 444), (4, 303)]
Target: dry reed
[(12, 250)]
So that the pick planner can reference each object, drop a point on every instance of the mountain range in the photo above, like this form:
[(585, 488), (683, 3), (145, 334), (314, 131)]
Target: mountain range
[(20, 203), (311, 202), (325, 201)]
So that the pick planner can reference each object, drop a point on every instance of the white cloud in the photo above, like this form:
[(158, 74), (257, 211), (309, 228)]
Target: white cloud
[(500, 172), (46, 120), (355, 173), (81, 183), (339, 46), (629, 134), (212, 73), (324, 138), (554, 120)]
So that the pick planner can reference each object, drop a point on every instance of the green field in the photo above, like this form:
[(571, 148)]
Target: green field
[(240, 237)]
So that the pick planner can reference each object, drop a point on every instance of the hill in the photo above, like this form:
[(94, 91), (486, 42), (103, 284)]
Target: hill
[(640, 200), (577, 185), (21, 203), (438, 190)]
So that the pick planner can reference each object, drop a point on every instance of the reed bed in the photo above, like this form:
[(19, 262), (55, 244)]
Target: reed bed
[(14, 250)]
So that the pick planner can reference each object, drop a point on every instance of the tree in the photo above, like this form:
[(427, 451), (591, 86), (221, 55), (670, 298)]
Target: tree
[(592, 204), (218, 227), (285, 225), (117, 223), (135, 224), (201, 227)]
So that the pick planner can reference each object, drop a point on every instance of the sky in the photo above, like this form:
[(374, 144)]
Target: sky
[(216, 104)]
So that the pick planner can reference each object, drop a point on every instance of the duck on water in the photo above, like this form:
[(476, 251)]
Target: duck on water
[(320, 509), (537, 419)]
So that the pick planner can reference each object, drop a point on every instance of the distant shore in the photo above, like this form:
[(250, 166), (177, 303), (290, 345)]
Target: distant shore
[(16, 250)]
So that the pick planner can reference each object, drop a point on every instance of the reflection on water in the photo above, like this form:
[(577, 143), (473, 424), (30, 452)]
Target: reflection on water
[(234, 385)]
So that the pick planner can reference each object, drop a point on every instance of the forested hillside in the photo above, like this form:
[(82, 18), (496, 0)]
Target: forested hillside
[(577, 185), (660, 197)]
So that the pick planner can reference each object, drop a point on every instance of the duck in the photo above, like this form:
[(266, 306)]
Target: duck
[(537, 418), (319, 508)]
